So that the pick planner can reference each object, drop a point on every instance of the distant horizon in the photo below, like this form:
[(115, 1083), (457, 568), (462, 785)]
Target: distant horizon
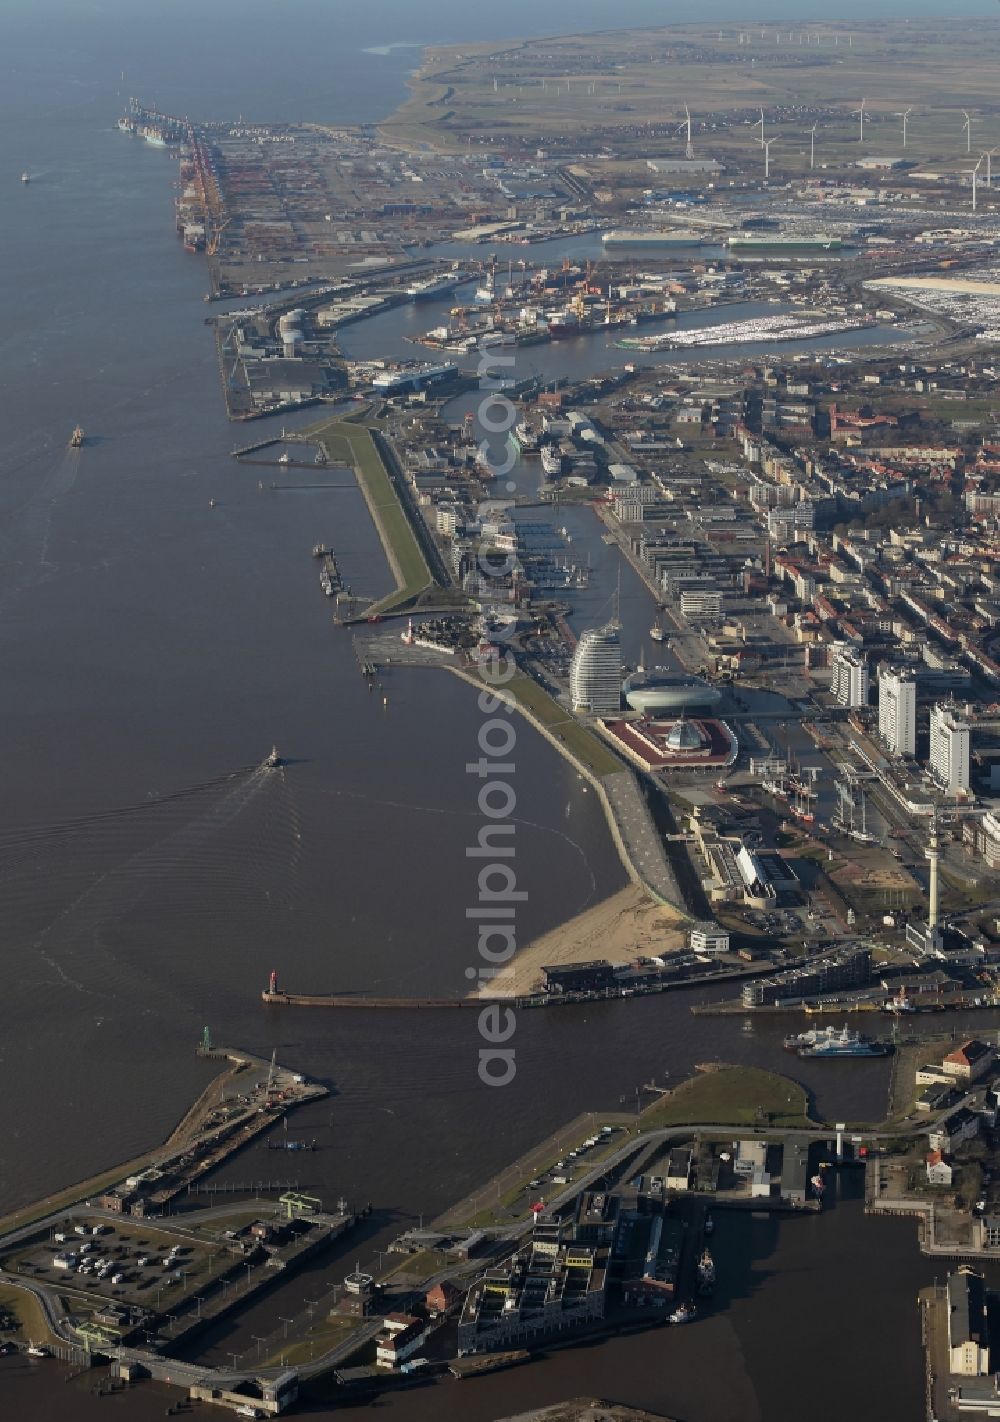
[(395, 24)]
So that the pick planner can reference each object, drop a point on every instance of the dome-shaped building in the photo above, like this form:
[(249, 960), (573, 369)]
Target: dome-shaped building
[(659, 690), (685, 736)]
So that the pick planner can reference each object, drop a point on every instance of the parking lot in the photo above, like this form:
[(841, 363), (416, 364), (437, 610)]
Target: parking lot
[(124, 1262)]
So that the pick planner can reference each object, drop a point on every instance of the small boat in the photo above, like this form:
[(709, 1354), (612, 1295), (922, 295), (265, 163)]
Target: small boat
[(26, 177), (211, 503), (35, 1350), (273, 761), (657, 633), (76, 438), (684, 1314), (284, 459), (706, 1273)]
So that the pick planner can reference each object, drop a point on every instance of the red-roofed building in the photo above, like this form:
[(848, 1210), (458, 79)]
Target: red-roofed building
[(969, 1061), (938, 1170)]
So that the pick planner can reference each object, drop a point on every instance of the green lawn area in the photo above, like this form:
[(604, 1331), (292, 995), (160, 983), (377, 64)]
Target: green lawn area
[(26, 1309), (420, 1265), (732, 1096), (350, 443), (579, 740)]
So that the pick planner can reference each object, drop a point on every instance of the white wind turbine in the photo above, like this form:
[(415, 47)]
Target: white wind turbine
[(812, 145), (988, 155), (761, 128), (689, 150), (904, 116), (975, 175), (861, 119), (967, 130), (767, 158)]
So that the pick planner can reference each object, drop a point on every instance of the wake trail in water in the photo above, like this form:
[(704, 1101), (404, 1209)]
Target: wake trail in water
[(75, 945)]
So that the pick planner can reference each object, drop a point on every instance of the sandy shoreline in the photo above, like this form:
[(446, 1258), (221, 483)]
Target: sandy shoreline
[(620, 928)]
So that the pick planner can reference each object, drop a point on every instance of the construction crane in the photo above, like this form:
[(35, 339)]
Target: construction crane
[(212, 246)]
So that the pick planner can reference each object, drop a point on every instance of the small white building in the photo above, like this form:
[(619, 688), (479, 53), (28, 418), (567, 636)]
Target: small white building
[(939, 1172), (402, 1335), (709, 938)]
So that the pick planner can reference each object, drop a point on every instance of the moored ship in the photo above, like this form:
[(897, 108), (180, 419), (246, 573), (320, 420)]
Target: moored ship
[(835, 1042), (662, 237), (706, 1273), (551, 460), (429, 287), (784, 242)]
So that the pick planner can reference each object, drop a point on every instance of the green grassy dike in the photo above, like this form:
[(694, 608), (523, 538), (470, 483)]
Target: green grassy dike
[(347, 442), (732, 1096)]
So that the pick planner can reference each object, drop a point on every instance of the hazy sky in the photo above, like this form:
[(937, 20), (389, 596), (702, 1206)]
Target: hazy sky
[(454, 19)]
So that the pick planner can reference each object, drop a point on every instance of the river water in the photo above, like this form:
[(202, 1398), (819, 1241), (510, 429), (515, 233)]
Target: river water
[(153, 648)]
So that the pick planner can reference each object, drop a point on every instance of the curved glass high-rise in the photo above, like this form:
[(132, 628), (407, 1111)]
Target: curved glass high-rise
[(595, 674)]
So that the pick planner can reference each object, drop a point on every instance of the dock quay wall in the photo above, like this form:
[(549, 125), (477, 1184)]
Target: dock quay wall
[(668, 892), (303, 999)]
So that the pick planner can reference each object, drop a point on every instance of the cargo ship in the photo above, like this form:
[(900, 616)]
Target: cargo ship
[(662, 237), (76, 438), (430, 287), (835, 1042), (783, 242)]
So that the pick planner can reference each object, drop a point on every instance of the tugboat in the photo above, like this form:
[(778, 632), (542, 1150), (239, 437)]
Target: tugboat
[(76, 438), (25, 177), (273, 761), (684, 1314)]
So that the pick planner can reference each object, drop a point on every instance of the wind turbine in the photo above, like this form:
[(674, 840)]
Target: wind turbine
[(812, 145), (761, 128), (689, 150), (767, 158), (904, 116), (861, 118), (988, 155), (975, 174), (967, 127)]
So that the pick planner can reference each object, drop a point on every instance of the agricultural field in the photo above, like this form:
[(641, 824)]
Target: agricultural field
[(629, 89)]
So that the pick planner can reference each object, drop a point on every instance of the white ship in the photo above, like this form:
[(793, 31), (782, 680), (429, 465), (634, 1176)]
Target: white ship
[(430, 287), (551, 460)]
